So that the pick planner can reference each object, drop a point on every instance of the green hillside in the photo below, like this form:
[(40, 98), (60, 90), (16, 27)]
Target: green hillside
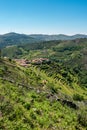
[(68, 57), (13, 38), (31, 99), (44, 95)]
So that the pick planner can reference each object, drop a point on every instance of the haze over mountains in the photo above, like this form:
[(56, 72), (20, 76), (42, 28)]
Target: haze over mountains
[(15, 38), (57, 37)]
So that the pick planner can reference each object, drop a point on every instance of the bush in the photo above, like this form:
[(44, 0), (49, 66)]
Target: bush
[(10, 59), (78, 97), (82, 118), (27, 106)]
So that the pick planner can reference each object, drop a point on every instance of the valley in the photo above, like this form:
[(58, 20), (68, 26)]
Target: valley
[(43, 85)]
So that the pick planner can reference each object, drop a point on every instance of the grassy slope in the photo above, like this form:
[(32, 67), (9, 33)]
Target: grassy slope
[(26, 102), (70, 57)]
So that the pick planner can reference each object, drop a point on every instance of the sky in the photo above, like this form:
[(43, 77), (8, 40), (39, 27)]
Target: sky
[(43, 16)]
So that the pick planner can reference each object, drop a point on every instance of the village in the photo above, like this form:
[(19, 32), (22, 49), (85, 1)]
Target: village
[(36, 61)]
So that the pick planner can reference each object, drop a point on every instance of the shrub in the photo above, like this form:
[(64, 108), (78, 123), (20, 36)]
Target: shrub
[(82, 118), (78, 97), (27, 106), (10, 59)]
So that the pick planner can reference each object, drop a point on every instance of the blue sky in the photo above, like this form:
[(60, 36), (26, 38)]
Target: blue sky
[(43, 16)]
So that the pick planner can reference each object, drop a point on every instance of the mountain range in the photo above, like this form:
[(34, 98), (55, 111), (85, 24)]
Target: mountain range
[(16, 39), (57, 37)]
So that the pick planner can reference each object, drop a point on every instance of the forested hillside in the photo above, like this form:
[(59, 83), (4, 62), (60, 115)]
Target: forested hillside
[(17, 39), (69, 57), (43, 86)]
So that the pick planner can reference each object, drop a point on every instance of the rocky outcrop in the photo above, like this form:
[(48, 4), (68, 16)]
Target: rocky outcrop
[(53, 97)]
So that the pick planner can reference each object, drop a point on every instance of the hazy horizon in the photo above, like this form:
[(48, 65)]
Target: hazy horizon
[(42, 34)]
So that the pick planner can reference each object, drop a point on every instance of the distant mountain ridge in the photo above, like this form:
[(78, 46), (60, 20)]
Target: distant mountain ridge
[(16, 39), (57, 37)]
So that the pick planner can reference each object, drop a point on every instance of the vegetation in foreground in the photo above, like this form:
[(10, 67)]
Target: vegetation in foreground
[(45, 96), (32, 100)]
